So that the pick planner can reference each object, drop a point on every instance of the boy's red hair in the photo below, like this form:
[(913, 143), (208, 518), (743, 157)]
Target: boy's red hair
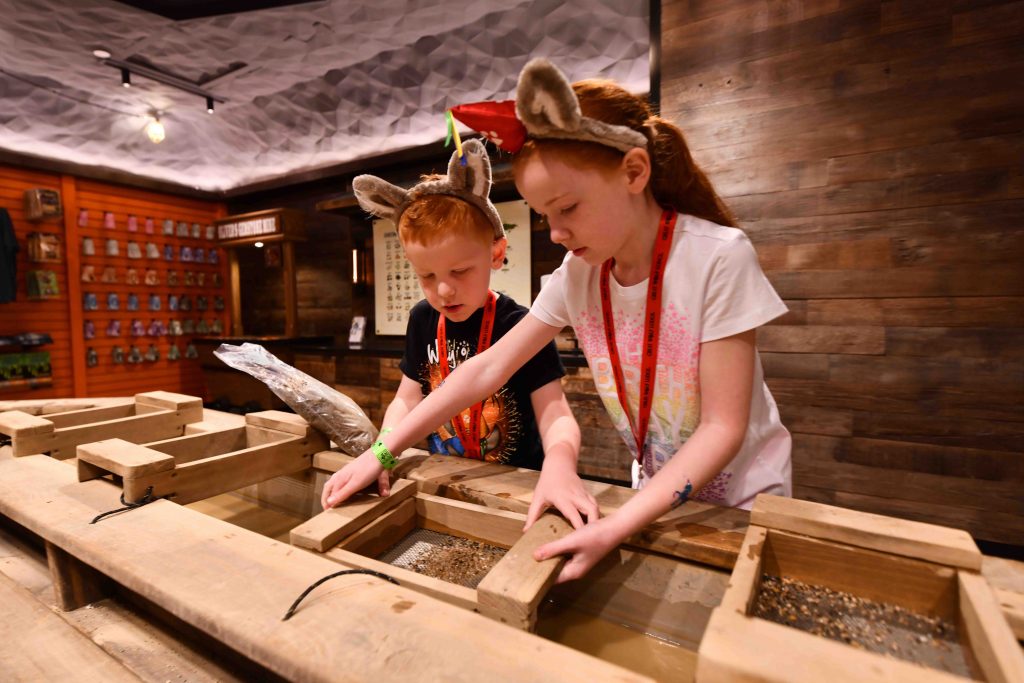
[(433, 217)]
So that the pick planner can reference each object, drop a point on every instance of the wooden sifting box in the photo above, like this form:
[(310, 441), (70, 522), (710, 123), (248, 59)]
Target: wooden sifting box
[(198, 466), (359, 532), (150, 416), (925, 569)]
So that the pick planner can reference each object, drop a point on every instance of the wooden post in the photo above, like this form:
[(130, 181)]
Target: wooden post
[(72, 254), (75, 584), (234, 281), (291, 300)]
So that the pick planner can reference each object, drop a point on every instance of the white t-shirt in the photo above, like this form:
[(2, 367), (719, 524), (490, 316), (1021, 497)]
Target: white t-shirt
[(713, 288)]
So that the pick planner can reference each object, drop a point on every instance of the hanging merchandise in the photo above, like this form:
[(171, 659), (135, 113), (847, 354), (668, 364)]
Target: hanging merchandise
[(185, 304), (191, 352), (89, 329), (83, 218), (137, 329), (149, 225), (182, 229), (217, 327), (197, 231), (134, 250), (108, 220), (154, 302), (133, 277), (133, 302), (113, 302), (202, 328), (152, 251), (133, 223), (92, 359), (168, 227), (114, 328), (189, 326), (201, 279), (216, 278), (90, 302), (109, 275), (168, 252), (117, 355), (155, 329), (42, 203), (152, 278), (172, 278), (185, 254), (134, 354), (199, 255), (202, 303), (190, 278), (173, 353), (218, 303), (214, 259), (175, 328), (42, 284), (88, 273), (44, 247), (88, 248), (211, 232), (152, 355), (112, 248), (172, 302)]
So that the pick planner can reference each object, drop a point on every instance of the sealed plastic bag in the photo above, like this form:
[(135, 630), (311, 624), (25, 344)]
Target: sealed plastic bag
[(329, 410)]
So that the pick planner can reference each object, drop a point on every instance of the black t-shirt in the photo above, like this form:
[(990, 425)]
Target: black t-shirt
[(511, 427)]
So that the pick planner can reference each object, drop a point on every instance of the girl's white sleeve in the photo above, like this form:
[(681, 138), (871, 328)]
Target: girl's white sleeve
[(550, 307), (737, 296)]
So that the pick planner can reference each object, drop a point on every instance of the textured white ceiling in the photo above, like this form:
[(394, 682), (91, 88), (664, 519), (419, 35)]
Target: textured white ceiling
[(325, 82)]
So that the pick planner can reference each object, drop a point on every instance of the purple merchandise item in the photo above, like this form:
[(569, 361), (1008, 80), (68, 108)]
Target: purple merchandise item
[(113, 303), (133, 302), (149, 225), (137, 329), (168, 227), (214, 259), (168, 252), (83, 218), (172, 302), (114, 328), (89, 331), (154, 329), (133, 223), (185, 254), (199, 255), (108, 220)]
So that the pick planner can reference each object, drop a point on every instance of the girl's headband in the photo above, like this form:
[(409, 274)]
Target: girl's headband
[(545, 108)]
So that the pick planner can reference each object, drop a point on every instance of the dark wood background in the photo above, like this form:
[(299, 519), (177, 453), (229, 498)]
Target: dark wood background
[(873, 152)]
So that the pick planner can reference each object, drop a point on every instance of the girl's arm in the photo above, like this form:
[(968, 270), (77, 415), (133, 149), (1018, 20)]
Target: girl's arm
[(559, 485), (472, 381), (726, 384)]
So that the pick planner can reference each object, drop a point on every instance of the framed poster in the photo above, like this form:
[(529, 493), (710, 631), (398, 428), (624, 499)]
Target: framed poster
[(396, 289)]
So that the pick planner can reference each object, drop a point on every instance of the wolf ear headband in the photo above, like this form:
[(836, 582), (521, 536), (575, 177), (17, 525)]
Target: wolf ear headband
[(469, 179), (545, 107)]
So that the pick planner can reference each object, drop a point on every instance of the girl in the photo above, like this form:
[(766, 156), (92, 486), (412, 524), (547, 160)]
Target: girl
[(664, 298)]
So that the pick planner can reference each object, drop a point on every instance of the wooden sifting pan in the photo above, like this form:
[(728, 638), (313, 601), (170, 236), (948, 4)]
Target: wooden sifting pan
[(359, 532)]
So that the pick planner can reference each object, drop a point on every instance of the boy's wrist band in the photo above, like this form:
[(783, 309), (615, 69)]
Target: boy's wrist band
[(387, 461)]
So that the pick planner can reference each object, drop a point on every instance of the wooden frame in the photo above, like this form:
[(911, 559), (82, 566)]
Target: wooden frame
[(152, 415), (194, 467), (921, 567), (359, 531)]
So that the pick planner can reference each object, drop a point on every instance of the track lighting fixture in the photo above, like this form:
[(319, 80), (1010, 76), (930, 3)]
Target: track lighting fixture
[(126, 78), (209, 105)]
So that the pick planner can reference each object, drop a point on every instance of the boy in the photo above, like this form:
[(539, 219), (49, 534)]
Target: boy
[(453, 238)]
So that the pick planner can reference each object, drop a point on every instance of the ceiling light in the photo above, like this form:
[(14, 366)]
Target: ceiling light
[(258, 245), (155, 131), (209, 105), (126, 78), (101, 54)]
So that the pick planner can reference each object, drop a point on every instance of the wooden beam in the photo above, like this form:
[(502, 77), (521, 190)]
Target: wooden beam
[(992, 642), (74, 584), (326, 529), (117, 456)]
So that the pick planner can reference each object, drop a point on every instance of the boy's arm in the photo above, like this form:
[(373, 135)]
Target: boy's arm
[(726, 381), (559, 485), (407, 397), (471, 381)]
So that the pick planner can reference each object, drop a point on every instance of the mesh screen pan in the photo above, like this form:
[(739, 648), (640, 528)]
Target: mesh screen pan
[(418, 543)]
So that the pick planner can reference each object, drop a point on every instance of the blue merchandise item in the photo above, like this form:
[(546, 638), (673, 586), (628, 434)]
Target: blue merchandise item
[(172, 302), (168, 252), (154, 302), (113, 302), (214, 259), (133, 302), (199, 255), (185, 254)]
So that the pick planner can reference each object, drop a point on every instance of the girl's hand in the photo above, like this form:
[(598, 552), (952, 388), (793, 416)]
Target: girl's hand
[(585, 547), (353, 477), (561, 488)]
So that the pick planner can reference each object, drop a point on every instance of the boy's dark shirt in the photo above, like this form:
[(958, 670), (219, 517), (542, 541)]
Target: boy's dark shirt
[(512, 438)]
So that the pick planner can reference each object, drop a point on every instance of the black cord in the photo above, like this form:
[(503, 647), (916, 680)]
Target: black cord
[(145, 500), (295, 605)]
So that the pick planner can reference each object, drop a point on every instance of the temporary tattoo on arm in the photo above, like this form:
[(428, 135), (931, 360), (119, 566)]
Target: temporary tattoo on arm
[(680, 497)]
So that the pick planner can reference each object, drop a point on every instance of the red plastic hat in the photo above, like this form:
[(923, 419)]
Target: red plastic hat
[(496, 121)]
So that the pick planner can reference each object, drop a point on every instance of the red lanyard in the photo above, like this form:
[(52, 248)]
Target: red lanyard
[(469, 434), (652, 321)]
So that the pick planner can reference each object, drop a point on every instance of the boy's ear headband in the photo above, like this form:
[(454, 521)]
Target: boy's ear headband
[(545, 107), (468, 178)]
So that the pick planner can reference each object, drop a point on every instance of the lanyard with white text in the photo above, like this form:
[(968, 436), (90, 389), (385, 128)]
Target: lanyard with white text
[(469, 434), (652, 321)]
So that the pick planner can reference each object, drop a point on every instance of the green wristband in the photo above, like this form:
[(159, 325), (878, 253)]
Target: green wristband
[(387, 461)]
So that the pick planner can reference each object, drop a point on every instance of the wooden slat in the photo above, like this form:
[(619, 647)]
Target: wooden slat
[(326, 529), (909, 539), (120, 457), (746, 574), (992, 642)]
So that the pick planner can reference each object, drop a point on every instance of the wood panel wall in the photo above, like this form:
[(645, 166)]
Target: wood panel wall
[(873, 151), (64, 318)]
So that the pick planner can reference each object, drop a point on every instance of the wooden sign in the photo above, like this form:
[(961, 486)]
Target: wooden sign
[(260, 225)]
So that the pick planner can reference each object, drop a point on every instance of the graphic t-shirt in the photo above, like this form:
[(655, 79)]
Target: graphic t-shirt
[(713, 288), (508, 428)]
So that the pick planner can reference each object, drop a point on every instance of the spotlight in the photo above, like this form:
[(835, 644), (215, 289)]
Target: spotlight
[(101, 54), (258, 245), (155, 131), (209, 105), (126, 78)]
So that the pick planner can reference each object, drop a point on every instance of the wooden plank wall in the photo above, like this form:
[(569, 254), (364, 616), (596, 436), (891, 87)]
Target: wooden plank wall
[(64, 318), (873, 152)]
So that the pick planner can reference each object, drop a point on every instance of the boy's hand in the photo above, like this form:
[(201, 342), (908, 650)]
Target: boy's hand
[(585, 548), (353, 477), (560, 487)]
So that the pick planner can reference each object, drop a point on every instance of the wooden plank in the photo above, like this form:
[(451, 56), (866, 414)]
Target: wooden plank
[(805, 339), (120, 457), (513, 589), (20, 425), (992, 642), (382, 533), (168, 400), (40, 646), (172, 555), (865, 530), (738, 649), (61, 444), (97, 414), (746, 574), (201, 445), (280, 421), (326, 529), (497, 527), (74, 584), (1012, 605)]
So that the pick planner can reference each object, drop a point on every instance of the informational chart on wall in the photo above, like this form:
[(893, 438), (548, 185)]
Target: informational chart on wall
[(396, 288)]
